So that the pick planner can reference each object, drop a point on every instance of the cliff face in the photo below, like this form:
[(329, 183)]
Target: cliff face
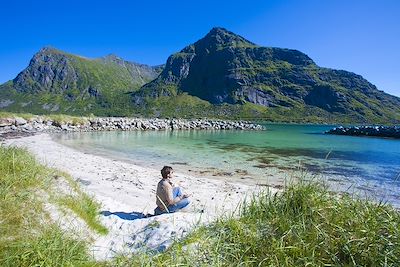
[(55, 71), (48, 70), (224, 67), (62, 82)]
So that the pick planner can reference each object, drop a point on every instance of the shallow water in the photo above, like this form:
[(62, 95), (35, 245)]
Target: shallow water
[(368, 165)]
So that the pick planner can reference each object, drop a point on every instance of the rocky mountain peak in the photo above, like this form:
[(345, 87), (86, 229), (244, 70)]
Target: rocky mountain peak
[(113, 58), (178, 65), (54, 71), (48, 48), (46, 67), (222, 37), (47, 51)]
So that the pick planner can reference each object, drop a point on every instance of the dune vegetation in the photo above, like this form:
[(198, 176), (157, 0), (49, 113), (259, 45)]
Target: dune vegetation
[(303, 225), (28, 235)]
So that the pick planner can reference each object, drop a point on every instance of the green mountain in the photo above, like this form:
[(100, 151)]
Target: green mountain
[(59, 82), (225, 75), (221, 75)]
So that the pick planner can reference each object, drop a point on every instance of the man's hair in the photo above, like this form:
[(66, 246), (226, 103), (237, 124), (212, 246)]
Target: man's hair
[(165, 171)]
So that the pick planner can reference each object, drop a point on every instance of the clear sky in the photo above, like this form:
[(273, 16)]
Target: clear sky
[(362, 36)]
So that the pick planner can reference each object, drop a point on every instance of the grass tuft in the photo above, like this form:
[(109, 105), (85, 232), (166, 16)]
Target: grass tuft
[(305, 225), (50, 247), (83, 205), (87, 209), (27, 235)]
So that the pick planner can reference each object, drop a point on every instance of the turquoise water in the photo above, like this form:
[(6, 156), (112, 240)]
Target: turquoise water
[(368, 165)]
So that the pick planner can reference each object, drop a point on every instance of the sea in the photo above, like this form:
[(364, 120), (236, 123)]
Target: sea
[(367, 167)]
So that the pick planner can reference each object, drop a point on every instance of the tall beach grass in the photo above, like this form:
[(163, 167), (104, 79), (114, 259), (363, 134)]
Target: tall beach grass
[(28, 237), (305, 225)]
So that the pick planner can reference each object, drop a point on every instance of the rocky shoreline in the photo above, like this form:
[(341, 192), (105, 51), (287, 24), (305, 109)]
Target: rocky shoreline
[(377, 131), (10, 126)]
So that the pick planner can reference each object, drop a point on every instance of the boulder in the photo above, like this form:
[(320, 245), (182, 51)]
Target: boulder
[(4, 122), (19, 121)]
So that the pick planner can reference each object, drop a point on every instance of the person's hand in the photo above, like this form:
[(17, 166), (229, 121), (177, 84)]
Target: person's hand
[(185, 195)]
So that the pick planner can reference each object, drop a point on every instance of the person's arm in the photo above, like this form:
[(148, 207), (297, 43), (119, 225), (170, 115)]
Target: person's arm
[(169, 196)]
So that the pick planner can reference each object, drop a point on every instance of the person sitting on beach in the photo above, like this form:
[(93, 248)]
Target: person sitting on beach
[(169, 198)]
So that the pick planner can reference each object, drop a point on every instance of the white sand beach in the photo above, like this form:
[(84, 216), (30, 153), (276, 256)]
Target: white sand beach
[(126, 191)]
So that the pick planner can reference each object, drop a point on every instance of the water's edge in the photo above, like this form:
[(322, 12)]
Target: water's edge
[(269, 157)]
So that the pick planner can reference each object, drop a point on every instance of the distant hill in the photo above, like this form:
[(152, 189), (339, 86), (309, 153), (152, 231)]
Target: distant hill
[(243, 79), (221, 75), (56, 81)]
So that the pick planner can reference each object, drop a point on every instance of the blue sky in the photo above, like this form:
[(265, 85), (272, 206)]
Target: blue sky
[(361, 36)]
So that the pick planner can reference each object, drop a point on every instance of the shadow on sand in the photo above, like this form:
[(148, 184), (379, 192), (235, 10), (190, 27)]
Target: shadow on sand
[(129, 216)]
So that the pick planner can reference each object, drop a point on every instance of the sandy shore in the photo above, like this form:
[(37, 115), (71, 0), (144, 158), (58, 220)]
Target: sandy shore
[(126, 191)]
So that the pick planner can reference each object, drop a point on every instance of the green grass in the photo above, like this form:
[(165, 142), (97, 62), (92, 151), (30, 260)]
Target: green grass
[(61, 119), (82, 205), (48, 247), (6, 115), (304, 226), (57, 118), (28, 237), (182, 105), (87, 209)]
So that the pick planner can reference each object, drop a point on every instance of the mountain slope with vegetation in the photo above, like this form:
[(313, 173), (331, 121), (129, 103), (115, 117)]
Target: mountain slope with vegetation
[(222, 75), (59, 82), (240, 78)]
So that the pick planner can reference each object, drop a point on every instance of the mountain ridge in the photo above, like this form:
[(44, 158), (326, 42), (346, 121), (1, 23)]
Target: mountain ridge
[(223, 67), (220, 75), (77, 84)]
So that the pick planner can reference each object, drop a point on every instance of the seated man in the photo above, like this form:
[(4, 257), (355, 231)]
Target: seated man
[(169, 199)]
